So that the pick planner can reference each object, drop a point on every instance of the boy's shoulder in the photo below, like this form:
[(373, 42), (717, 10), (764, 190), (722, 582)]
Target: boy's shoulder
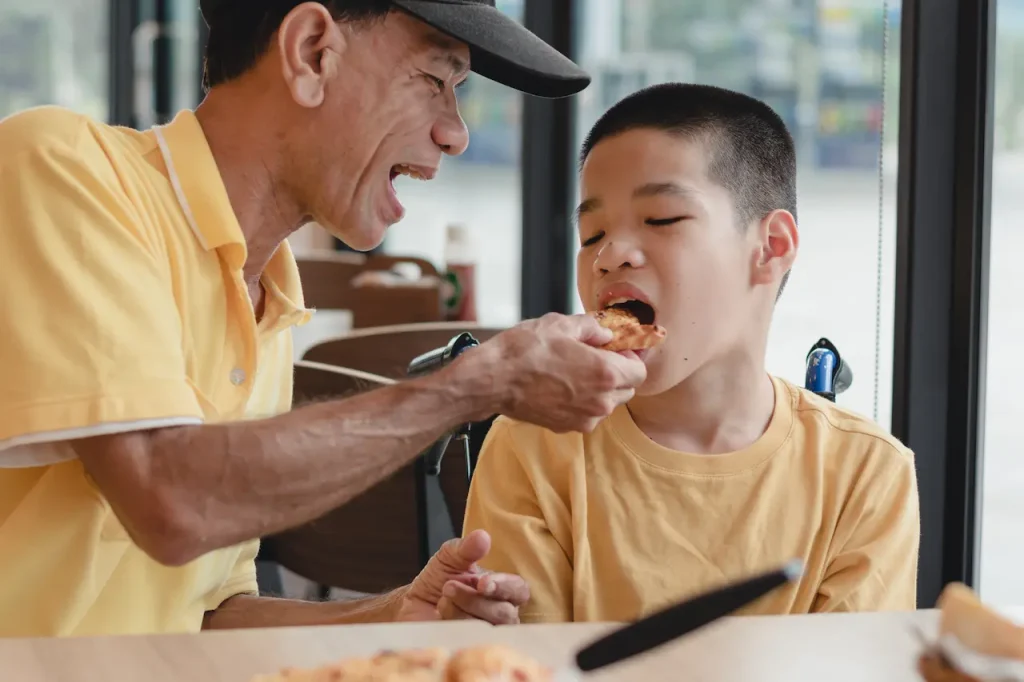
[(526, 436), (841, 431)]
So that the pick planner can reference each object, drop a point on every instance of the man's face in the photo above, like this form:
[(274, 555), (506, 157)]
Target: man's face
[(388, 110), (653, 227)]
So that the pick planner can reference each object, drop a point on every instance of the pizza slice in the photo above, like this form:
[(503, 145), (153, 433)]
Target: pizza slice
[(489, 663), (624, 319)]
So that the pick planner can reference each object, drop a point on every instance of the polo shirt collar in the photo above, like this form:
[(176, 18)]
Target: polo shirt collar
[(214, 222)]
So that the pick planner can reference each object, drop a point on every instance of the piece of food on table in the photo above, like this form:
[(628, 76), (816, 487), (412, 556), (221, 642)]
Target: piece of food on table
[(629, 333), (491, 663), (975, 643)]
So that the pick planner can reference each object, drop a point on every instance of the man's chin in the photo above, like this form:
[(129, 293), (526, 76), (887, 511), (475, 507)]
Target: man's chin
[(362, 238)]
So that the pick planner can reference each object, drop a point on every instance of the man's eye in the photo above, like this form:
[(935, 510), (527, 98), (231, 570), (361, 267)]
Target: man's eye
[(593, 240), (664, 221), (436, 82)]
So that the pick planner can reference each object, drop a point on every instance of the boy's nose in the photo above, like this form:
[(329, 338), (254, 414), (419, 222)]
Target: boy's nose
[(616, 255)]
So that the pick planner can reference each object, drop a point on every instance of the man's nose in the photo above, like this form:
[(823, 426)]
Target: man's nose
[(616, 254), (450, 133)]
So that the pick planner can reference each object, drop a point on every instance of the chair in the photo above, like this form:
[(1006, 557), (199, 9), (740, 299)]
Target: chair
[(327, 285), (387, 351), (382, 538)]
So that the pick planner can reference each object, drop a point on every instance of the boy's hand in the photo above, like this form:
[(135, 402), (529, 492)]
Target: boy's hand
[(550, 372)]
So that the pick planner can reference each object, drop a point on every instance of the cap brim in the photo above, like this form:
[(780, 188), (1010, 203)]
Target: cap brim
[(501, 48)]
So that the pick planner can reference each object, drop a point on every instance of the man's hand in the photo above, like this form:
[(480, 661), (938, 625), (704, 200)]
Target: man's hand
[(552, 373), (453, 587)]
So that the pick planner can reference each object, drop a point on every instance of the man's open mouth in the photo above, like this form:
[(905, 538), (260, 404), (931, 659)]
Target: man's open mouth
[(643, 312), (411, 171)]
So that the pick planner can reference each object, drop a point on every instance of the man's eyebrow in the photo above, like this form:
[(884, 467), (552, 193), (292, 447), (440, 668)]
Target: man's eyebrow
[(653, 189), (586, 206), (446, 47)]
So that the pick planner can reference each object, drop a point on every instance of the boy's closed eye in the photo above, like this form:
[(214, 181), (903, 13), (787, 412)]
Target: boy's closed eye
[(653, 222)]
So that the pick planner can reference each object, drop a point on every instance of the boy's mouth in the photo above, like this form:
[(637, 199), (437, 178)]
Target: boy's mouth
[(643, 312)]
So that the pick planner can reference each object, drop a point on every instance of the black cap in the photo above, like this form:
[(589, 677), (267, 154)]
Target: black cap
[(500, 48)]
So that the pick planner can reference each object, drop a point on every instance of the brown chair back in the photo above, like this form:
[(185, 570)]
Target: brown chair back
[(387, 351), (327, 284), (383, 537)]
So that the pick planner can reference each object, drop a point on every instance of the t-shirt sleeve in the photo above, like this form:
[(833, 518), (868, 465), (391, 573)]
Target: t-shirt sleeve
[(504, 502), (91, 339), (878, 537)]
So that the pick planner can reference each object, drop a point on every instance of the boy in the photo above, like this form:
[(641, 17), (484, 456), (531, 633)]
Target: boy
[(688, 220)]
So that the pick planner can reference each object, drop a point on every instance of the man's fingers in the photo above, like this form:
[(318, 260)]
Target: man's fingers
[(461, 601), (629, 369), (586, 329), (447, 609), (504, 587), (461, 554)]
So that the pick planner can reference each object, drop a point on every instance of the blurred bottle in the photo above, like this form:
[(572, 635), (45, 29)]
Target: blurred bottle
[(460, 263)]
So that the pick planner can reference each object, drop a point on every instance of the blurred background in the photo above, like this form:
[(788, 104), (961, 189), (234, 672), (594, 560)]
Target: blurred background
[(832, 70)]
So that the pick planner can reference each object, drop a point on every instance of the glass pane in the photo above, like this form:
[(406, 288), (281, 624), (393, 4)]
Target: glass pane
[(1003, 458), (54, 52), (830, 69), (481, 190)]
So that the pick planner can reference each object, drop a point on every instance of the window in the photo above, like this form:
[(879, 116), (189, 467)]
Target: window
[(54, 52), (830, 69), (1002, 473), (481, 190)]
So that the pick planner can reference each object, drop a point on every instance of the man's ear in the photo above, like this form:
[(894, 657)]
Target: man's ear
[(777, 243), (309, 44)]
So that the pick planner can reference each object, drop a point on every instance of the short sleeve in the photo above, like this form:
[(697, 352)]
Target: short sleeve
[(504, 502), (879, 534), (91, 339)]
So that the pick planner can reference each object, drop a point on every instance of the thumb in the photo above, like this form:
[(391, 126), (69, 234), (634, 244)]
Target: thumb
[(589, 331), (460, 555)]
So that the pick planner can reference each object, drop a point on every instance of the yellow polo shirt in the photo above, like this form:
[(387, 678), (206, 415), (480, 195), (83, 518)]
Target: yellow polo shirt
[(122, 307)]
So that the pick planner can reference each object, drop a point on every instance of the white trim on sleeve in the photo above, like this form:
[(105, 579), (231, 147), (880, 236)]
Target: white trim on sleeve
[(51, 447)]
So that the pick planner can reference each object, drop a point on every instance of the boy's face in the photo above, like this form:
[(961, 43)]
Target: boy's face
[(653, 227)]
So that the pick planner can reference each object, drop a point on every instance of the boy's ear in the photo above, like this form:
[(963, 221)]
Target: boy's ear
[(778, 241)]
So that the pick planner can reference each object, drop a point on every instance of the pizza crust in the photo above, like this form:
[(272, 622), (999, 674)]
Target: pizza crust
[(490, 663), (629, 333)]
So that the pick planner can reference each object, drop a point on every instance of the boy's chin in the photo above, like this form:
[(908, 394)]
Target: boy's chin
[(660, 379)]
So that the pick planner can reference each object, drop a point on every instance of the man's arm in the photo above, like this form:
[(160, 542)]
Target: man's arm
[(250, 611), (184, 491), (875, 568)]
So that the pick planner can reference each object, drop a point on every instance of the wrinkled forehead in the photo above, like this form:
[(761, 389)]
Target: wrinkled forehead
[(405, 36)]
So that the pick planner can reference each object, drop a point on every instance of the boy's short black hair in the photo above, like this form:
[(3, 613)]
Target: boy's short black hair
[(752, 152), (240, 32)]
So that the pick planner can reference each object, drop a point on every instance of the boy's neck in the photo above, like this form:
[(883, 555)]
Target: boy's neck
[(723, 407)]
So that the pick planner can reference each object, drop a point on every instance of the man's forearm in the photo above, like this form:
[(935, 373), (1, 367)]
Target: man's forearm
[(250, 611), (184, 491)]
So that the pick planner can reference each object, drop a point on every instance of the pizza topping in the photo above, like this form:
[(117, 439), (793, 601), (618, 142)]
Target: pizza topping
[(641, 310), (488, 663), (629, 334)]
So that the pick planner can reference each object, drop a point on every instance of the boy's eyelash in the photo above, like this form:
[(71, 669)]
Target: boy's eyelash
[(593, 240), (658, 222)]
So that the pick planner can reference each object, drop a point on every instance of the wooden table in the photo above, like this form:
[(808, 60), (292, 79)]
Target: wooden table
[(834, 648)]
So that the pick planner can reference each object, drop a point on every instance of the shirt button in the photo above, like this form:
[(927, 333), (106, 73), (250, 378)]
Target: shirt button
[(238, 376)]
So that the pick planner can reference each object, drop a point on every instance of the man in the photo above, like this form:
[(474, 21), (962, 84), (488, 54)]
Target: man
[(145, 437)]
